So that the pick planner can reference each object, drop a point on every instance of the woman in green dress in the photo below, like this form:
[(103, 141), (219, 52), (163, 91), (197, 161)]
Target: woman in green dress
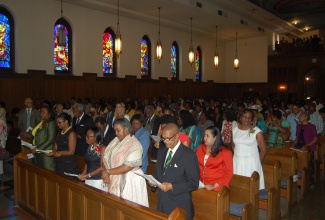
[(44, 137)]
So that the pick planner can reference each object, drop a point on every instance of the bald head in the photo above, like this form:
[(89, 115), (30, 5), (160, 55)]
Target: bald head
[(171, 127), (170, 135)]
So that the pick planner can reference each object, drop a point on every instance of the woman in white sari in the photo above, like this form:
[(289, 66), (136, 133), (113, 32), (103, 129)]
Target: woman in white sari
[(122, 160)]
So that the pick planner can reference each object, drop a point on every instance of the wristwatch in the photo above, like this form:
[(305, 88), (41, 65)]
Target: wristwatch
[(89, 175)]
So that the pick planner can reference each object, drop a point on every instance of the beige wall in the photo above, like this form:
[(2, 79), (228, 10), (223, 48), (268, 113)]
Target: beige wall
[(34, 20)]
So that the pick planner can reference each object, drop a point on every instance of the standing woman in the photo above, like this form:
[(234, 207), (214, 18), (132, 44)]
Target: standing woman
[(249, 147), (120, 112), (122, 159), (65, 146), (187, 125), (215, 161), (91, 173), (3, 131), (44, 137)]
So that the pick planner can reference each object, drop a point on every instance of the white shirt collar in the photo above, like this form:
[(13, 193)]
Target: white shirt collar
[(106, 129), (174, 149)]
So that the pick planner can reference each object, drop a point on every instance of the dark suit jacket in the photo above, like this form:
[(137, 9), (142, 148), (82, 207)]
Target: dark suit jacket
[(109, 136), (109, 118), (81, 129), (150, 125), (22, 119), (183, 173)]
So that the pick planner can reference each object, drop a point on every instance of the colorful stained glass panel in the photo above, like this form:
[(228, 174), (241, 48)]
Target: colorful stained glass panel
[(61, 53), (197, 65), (173, 62), (108, 49), (5, 61), (144, 58)]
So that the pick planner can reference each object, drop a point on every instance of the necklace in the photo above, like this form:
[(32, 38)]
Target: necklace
[(65, 131)]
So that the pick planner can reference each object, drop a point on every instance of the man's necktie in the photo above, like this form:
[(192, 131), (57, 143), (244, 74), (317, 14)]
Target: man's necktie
[(28, 118), (169, 158), (78, 120)]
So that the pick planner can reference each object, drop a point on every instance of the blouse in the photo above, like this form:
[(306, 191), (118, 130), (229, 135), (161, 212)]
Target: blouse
[(218, 169)]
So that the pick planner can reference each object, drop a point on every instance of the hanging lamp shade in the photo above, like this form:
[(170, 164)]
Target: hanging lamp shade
[(236, 60), (61, 35), (216, 56), (118, 39), (191, 55), (159, 44)]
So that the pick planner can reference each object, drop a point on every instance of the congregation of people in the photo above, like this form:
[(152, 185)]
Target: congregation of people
[(194, 141)]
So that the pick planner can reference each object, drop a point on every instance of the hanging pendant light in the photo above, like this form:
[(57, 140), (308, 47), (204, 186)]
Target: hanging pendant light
[(61, 31), (159, 44), (236, 60), (191, 52), (118, 39), (216, 56)]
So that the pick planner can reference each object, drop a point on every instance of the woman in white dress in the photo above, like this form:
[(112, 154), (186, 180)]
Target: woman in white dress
[(121, 165), (249, 147)]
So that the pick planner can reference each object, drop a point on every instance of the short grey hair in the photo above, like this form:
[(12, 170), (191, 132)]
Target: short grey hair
[(125, 123), (80, 107), (149, 107)]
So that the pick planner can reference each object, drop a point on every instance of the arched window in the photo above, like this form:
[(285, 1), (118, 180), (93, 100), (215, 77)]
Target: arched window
[(109, 56), (174, 61), (198, 64), (63, 52), (145, 57), (7, 53)]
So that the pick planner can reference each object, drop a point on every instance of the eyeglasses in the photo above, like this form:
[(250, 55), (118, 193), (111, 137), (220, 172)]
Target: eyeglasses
[(168, 139), (90, 136), (60, 122)]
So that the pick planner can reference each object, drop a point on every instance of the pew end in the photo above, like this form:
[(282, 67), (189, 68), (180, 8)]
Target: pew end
[(211, 205), (245, 191)]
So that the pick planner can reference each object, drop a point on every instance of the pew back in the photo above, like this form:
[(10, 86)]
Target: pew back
[(246, 190), (48, 195), (211, 205)]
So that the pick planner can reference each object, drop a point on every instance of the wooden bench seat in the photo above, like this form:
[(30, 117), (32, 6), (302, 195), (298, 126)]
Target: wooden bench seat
[(320, 156), (288, 171), (48, 195), (272, 179), (245, 191), (303, 159)]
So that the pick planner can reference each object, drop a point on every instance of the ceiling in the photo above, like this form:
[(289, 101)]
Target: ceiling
[(248, 18)]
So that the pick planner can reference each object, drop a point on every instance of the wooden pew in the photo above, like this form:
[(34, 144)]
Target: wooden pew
[(288, 171), (302, 166), (272, 179), (48, 195), (210, 205), (245, 190), (321, 155)]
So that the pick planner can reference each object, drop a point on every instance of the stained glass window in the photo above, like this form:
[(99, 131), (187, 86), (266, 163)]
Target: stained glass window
[(6, 41), (62, 53), (174, 61), (109, 58), (145, 57), (198, 64)]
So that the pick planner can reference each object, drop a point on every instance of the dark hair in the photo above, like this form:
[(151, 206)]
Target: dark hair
[(165, 119), (322, 110), (2, 104), (277, 114), (139, 118), (100, 120), (187, 118), (231, 115), (246, 110), (215, 149), (47, 108), (65, 116), (98, 134)]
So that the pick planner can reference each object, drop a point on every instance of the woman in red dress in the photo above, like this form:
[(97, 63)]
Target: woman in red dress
[(215, 161)]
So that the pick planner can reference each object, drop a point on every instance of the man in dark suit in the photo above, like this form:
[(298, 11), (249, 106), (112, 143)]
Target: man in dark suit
[(152, 126), (28, 118), (109, 115), (108, 131), (178, 171), (81, 123)]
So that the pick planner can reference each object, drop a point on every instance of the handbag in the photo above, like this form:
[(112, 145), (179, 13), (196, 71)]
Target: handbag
[(3, 154)]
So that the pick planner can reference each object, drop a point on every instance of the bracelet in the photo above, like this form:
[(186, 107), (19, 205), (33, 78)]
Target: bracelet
[(89, 175)]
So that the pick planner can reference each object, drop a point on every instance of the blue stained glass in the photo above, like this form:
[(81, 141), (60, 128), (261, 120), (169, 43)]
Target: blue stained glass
[(197, 64), (108, 53), (173, 62), (61, 53), (5, 61), (144, 58)]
